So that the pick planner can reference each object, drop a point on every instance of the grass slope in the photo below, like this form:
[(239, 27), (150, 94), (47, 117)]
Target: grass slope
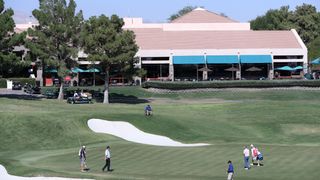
[(41, 137)]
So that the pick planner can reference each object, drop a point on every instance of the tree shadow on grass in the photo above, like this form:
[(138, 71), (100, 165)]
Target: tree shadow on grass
[(21, 96), (121, 98)]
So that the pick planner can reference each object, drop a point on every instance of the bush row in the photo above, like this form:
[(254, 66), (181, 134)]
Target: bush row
[(96, 91), (3, 82), (73, 88), (231, 84)]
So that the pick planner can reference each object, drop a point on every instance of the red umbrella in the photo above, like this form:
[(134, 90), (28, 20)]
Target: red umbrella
[(67, 78)]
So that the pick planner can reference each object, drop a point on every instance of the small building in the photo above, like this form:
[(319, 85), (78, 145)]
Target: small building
[(202, 45)]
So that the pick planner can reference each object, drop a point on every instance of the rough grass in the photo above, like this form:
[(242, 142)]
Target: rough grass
[(42, 137)]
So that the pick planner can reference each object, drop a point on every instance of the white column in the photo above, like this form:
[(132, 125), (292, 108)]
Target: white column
[(171, 69), (40, 76)]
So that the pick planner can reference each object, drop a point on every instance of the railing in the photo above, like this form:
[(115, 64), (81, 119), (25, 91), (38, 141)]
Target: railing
[(158, 79)]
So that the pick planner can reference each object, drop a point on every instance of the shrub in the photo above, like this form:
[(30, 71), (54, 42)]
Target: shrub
[(3, 82), (231, 84)]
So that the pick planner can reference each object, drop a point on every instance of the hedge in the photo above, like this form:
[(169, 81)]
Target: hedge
[(231, 84), (3, 82)]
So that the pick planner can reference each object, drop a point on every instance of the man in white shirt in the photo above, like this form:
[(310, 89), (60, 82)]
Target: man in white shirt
[(108, 159), (246, 156)]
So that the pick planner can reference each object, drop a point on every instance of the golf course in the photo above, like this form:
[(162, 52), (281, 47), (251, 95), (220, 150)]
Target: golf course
[(42, 137)]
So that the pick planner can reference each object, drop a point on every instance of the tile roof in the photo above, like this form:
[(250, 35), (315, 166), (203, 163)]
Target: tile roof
[(156, 38), (200, 15)]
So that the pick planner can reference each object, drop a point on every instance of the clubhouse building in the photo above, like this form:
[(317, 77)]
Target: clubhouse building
[(205, 46), (202, 45)]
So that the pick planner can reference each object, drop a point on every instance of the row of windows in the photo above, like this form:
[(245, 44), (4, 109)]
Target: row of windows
[(274, 57)]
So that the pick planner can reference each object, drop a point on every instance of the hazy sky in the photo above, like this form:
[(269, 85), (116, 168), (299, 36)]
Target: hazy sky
[(160, 10)]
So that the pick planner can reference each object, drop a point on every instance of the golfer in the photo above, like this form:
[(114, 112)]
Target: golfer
[(254, 155), (246, 156), (108, 159), (82, 156), (230, 171)]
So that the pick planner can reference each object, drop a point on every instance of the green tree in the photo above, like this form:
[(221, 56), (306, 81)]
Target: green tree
[(314, 49), (305, 19), (274, 19), (55, 40), (9, 62), (307, 22), (182, 12), (104, 40)]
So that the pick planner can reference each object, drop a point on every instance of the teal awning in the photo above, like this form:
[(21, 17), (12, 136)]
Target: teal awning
[(226, 59), (77, 70), (255, 59), (285, 68), (92, 70), (51, 70), (298, 68), (188, 60), (316, 61)]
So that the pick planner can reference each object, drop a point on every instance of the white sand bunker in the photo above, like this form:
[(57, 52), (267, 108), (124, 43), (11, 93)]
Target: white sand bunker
[(5, 176), (129, 132)]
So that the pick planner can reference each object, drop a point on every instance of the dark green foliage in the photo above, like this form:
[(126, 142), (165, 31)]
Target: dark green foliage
[(230, 84), (9, 62), (182, 12), (305, 19), (314, 49), (3, 82), (104, 40), (274, 19), (307, 22), (55, 40)]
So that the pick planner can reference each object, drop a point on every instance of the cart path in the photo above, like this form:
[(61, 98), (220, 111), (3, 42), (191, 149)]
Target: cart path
[(129, 132)]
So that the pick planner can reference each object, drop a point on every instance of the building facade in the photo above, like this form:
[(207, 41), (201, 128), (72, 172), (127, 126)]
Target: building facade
[(202, 45)]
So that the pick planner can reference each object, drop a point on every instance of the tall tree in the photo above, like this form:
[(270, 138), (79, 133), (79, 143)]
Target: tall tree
[(104, 40), (314, 49), (274, 19), (182, 12), (8, 39), (55, 40), (305, 19)]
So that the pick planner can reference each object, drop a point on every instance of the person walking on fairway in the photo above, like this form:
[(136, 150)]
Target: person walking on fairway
[(82, 156), (230, 171), (246, 156), (254, 155), (108, 159)]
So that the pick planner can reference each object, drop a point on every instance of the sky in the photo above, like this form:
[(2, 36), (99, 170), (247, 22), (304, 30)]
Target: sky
[(161, 10)]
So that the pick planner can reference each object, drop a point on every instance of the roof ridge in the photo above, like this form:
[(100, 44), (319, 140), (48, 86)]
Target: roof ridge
[(205, 10)]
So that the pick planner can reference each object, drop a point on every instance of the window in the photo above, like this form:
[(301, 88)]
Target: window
[(288, 57), (154, 58)]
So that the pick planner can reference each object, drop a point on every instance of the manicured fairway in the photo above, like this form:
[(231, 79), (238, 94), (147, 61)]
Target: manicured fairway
[(41, 137)]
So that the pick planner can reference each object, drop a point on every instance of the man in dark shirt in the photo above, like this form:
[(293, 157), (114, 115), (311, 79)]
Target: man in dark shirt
[(148, 110), (230, 170), (82, 156)]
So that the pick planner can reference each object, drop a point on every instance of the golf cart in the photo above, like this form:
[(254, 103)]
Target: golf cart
[(16, 85), (30, 89), (79, 100)]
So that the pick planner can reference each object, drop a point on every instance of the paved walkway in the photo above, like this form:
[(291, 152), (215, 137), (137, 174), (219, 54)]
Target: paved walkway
[(4, 91)]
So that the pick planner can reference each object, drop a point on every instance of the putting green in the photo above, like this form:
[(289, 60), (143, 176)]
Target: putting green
[(42, 136)]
